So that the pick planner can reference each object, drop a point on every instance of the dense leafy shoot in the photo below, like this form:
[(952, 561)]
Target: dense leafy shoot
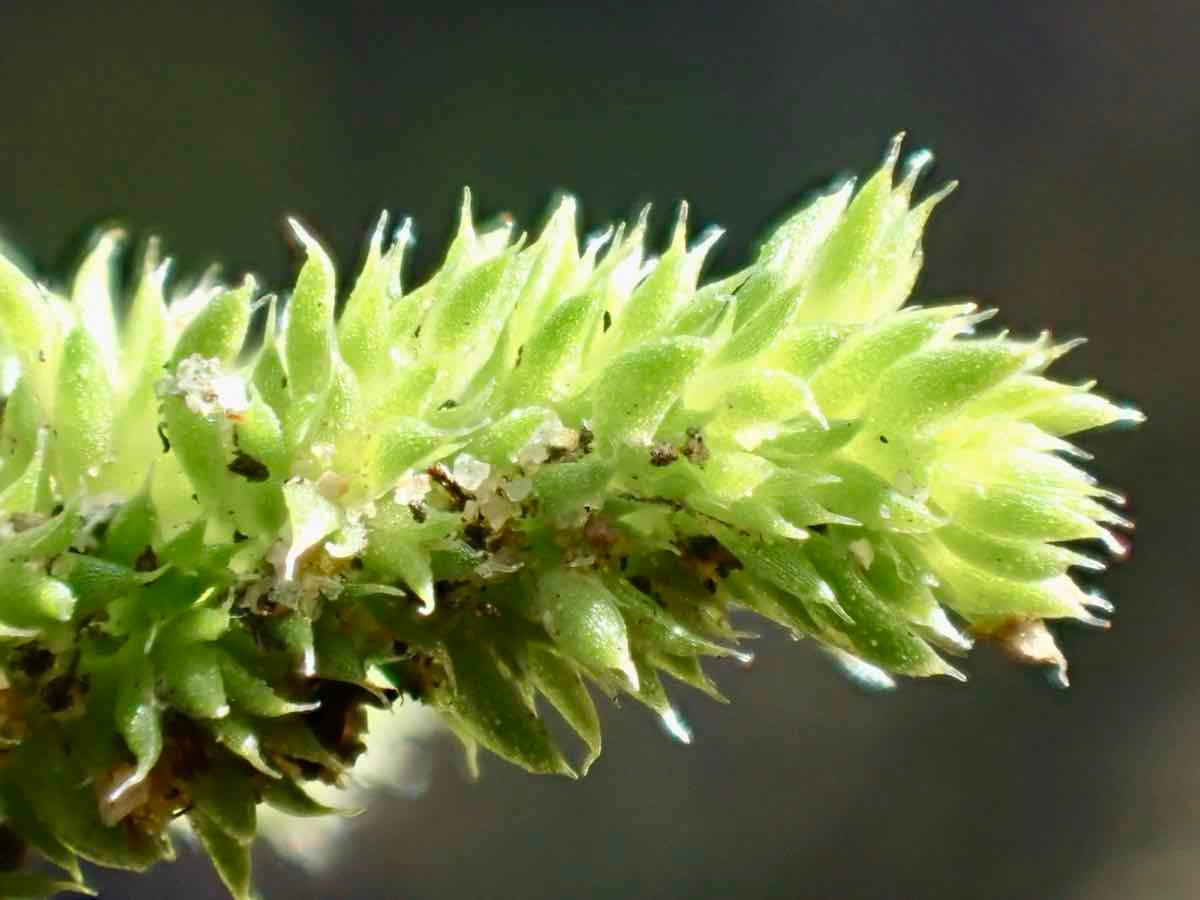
[(546, 468)]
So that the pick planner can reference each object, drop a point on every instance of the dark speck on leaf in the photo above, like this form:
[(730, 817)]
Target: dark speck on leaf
[(663, 455), (441, 475), (475, 535), (248, 467), (694, 448), (162, 436), (883, 439), (58, 692), (607, 320), (33, 660), (147, 560)]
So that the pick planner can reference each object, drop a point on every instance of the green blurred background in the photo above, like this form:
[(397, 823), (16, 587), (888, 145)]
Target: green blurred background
[(1075, 128)]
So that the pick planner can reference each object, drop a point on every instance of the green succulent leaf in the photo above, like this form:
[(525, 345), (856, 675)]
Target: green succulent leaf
[(35, 886), (138, 717), (230, 857), (561, 684), (491, 709)]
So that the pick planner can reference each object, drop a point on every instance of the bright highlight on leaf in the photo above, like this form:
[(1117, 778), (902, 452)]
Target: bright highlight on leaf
[(545, 469)]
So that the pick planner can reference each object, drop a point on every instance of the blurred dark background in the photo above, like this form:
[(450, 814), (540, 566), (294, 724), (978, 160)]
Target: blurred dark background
[(1075, 128)]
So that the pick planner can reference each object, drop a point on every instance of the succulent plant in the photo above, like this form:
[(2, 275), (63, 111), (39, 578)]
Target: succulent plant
[(545, 469)]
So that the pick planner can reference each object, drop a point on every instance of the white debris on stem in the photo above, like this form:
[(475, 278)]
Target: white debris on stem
[(207, 390), (551, 434), (469, 473), (412, 487), (518, 489), (323, 453), (1031, 641), (863, 551)]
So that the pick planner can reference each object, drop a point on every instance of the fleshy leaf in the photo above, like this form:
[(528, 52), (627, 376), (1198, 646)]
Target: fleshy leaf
[(583, 617), (486, 703), (230, 857)]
